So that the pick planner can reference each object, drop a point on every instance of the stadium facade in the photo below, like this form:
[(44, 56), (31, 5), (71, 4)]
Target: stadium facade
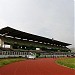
[(18, 43)]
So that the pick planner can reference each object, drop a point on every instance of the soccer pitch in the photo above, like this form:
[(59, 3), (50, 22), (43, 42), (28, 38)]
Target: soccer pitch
[(69, 62)]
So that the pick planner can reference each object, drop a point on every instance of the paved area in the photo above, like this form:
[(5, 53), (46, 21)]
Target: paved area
[(42, 66)]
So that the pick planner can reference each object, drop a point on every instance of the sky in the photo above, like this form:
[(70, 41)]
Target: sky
[(48, 18)]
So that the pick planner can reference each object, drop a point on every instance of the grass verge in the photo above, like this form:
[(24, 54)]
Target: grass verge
[(69, 62), (8, 61)]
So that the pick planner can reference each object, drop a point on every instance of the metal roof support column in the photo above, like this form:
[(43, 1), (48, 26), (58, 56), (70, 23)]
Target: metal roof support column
[(1, 43)]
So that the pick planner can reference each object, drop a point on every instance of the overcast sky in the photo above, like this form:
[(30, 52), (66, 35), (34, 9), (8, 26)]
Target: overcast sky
[(48, 18)]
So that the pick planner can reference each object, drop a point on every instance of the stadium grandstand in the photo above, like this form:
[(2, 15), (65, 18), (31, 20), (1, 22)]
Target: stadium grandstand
[(15, 43)]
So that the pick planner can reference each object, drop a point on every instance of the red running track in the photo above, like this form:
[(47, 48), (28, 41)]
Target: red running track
[(42, 66)]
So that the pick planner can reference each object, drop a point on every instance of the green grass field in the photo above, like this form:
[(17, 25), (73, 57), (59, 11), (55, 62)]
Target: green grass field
[(8, 61), (69, 62)]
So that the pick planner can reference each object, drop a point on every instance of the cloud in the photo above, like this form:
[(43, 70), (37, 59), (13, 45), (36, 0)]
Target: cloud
[(49, 18)]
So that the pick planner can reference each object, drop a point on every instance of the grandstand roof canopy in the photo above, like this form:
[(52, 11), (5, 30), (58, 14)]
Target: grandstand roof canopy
[(23, 35)]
